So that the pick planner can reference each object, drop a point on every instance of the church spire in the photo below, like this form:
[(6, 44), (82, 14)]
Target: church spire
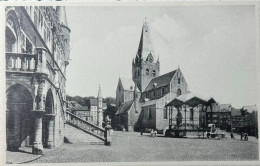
[(145, 45), (99, 92)]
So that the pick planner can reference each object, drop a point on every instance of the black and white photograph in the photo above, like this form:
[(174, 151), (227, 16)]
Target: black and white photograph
[(138, 82)]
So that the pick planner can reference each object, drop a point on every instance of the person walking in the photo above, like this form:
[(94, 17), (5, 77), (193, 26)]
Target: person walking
[(242, 134), (142, 131), (245, 136), (232, 135)]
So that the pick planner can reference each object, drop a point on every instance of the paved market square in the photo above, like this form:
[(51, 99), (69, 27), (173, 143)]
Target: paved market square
[(132, 147)]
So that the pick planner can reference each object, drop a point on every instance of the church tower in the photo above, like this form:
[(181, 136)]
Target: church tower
[(100, 108), (145, 66)]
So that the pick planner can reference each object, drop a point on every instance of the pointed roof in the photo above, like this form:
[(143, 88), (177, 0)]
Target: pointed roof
[(145, 45), (128, 84), (160, 81), (61, 14), (125, 107)]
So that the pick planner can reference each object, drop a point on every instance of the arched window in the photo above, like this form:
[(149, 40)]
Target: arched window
[(147, 71), (154, 72), (178, 92)]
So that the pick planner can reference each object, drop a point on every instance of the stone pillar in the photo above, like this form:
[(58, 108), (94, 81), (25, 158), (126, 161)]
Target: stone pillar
[(50, 139), (38, 114), (37, 144)]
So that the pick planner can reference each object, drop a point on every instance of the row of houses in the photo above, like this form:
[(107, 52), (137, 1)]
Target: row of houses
[(91, 112)]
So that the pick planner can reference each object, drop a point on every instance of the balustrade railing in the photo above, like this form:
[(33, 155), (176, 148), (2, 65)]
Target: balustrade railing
[(21, 62), (85, 125)]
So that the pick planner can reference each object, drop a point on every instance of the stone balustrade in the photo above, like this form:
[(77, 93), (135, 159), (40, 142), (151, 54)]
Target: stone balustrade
[(21, 62), (85, 125)]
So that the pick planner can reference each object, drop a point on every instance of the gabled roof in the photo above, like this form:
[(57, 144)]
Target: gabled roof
[(125, 107), (250, 109), (235, 112), (93, 102), (220, 108), (128, 84), (224, 107), (82, 108), (160, 81)]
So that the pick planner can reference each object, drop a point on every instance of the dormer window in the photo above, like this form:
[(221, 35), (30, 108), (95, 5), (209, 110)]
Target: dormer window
[(147, 71)]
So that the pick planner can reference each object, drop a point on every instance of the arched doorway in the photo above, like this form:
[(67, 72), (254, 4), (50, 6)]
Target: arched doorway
[(47, 124), (19, 122)]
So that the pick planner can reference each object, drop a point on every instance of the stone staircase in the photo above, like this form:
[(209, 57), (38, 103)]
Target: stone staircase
[(80, 131)]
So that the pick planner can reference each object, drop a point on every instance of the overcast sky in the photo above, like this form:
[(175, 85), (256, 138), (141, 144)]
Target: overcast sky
[(213, 45)]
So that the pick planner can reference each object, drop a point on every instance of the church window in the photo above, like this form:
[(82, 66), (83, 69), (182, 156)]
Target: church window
[(178, 92), (147, 71), (179, 80), (165, 115), (154, 73)]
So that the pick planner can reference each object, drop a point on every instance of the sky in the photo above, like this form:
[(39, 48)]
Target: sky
[(214, 46)]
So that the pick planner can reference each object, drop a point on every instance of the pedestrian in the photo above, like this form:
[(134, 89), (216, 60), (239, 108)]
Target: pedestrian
[(245, 136), (155, 133), (242, 134), (232, 135), (208, 134), (123, 129), (142, 131), (152, 133)]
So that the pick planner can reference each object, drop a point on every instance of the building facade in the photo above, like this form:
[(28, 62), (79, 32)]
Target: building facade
[(220, 115), (37, 48)]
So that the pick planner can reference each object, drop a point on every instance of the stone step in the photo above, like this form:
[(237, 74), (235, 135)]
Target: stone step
[(77, 136)]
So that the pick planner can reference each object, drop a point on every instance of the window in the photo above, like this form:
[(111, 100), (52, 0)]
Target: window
[(165, 115), (179, 80), (149, 113), (163, 91), (178, 92), (215, 116), (154, 93), (138, 72), (154, 73), (147, 71)]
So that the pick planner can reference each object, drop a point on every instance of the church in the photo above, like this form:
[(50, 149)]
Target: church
[(141, 99)]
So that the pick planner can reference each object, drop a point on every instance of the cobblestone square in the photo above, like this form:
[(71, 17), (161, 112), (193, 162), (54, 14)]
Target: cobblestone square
[(132, 147)]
